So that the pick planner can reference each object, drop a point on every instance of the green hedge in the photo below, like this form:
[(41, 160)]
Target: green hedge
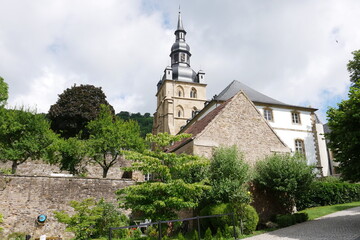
[(328, 193), (291, 219)]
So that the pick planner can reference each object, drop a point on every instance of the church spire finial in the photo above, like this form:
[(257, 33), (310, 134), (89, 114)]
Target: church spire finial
[(180, 24)]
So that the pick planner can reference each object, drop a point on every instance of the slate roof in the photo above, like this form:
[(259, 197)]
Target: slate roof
[(255, 96)]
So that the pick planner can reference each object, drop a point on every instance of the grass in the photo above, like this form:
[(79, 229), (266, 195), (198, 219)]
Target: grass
[(316, 212)]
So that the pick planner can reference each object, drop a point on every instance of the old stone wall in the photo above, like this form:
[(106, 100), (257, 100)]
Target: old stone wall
[(23, 198)]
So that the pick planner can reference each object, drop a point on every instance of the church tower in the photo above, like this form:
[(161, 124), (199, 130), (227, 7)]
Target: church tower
[(181, 92)]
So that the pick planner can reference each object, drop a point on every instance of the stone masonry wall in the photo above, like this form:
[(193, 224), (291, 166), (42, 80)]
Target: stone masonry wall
[(23, 198)]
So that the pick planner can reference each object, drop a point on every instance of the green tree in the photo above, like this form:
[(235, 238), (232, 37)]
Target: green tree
[(287, 176), (110, 136), (24, 135), (3, 92), (353, 67), (229, 175), (70, 154), (167, 193), (344, 135), (145, 121), (75, 108)]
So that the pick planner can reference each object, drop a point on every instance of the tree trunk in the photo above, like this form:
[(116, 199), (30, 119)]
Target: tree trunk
[(105, 171), (14, 167)]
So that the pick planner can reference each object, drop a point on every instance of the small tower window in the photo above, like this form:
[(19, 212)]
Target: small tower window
[(295, 117), (193, 93), (179, 113), (179, 93)]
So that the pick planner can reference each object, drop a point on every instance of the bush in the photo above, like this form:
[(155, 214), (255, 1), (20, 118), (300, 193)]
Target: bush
[(180, 236), (218, 235), (208, 234), (245, 212), (291, 219), (16, 236), (286, 176), (322, 193), (249, 217)]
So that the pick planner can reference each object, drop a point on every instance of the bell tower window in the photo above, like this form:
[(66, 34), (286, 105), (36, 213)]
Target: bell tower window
[(193, 93)]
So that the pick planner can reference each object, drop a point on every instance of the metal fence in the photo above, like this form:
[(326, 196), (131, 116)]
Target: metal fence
[(197, 218)]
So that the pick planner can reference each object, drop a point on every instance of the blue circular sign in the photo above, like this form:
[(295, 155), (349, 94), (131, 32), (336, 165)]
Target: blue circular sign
[(41, 218)]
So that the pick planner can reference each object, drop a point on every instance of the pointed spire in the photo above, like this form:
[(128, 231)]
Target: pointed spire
[(180, 24)]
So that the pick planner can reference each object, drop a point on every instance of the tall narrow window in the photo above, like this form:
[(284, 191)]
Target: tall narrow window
[(268, 114), (179, 113), (299, 146), (193, 93), (295, 116), (179, 93)]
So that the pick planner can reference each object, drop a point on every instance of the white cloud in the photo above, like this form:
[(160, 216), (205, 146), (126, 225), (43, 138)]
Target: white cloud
[(293, 51)]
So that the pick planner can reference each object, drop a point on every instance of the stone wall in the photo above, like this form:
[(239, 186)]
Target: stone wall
[(23, 198)]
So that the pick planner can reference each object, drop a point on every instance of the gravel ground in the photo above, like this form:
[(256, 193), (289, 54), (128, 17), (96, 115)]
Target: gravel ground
[(342, 225)]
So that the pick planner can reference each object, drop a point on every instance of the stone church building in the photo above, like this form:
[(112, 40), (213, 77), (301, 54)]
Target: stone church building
[(239, 115)]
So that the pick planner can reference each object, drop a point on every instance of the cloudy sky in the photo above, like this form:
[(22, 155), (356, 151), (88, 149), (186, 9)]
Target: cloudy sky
[(294, 51)]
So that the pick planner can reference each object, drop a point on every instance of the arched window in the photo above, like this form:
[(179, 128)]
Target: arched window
[(193, 93), (179, 112), (299, 146), (180, 91)]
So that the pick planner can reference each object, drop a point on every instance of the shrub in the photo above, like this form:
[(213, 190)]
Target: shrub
[(291, 219), (218, 235), (1, 221), (285, 175), (285, 220), (195, 235), (16, 236), (208, 234), (249, 217), (180, 236), (245, 212), (228, 176), (322, 193)]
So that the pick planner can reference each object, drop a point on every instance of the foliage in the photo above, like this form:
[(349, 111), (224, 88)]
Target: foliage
[(70, 153), (75, 108), (287, 176), (145, 121), (158, 200), (328, 193), (109, 137), (218, 235), (249, 217), (3, 92), (24, 135), (353, 67), (228, 176), (168, 192), (5, 171), (243, 212), (344, 137), (162, 140), (91, 219), (195, 235), (180, 236), (208, 234), (290, 219), (16, 236)]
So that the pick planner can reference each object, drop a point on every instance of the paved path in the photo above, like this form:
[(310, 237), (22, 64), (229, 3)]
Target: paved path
[(342, 225)]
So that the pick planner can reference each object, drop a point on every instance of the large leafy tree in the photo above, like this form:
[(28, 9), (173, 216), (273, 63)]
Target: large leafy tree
[(24, 135), (3, 92), (286, 176), (179, 181), (110, 136), (75, 108), (145, 121), (344, 124)]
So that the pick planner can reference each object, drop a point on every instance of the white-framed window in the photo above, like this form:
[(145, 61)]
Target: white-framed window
[(193, 93), (268, 114), (299, 146), (295, 117)]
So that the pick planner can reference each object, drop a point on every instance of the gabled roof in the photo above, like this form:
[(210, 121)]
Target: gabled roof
[(255, 96), (199, 126)]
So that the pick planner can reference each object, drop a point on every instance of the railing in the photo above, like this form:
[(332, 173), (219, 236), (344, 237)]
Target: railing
[(176, 220)]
